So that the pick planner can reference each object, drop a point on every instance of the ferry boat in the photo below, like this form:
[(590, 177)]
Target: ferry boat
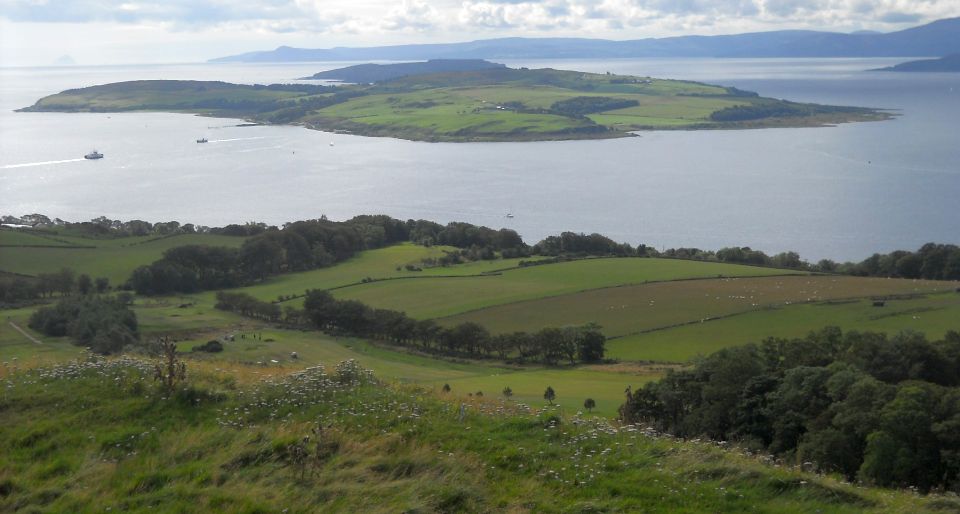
[(93, 155), (202, 140)]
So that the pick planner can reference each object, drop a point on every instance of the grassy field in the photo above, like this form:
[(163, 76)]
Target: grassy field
[(17, 349), (112, 258), (441, 297), (932, 315), (268, 350), (381, 263), (11, 237), (272, 350), (102, 437), (630, 309)]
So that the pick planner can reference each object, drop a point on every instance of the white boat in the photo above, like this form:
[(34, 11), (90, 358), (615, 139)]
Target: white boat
[(202, 140), (93, 155), (509, 215)]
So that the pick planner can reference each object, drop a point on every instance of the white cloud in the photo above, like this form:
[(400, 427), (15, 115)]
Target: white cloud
[(414, 15), (255, 25)]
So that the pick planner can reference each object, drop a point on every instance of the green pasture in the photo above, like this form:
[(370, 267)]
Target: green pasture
[(11, 237), (381, 263), (572, 387), (474, 109), (271, 349), (631, 309), (439, 111), (17, 349), (933, 315), (433, 298), (112, 258)]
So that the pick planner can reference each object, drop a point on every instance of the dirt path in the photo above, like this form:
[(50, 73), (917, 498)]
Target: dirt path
[(25, 334)]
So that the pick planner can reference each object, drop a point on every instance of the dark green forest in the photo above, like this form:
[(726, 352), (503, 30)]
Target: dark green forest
[(881, 409)]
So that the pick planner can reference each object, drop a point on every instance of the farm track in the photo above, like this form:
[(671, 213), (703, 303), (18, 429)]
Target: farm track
[(25, 334)]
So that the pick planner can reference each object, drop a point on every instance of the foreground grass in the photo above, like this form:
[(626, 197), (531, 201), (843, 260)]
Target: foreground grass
[(98, 437)]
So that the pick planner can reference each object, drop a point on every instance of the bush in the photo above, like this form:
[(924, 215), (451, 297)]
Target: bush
[(212, 346)]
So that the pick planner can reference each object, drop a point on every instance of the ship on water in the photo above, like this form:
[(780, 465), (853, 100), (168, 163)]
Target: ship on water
[(93, 155)]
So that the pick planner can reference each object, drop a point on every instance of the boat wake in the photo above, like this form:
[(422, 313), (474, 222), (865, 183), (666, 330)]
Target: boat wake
[(42, 163), (235, 139)]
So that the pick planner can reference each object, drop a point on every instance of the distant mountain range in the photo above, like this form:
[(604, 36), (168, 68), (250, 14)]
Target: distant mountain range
[(935, 39), (370, 73), (950, 63)]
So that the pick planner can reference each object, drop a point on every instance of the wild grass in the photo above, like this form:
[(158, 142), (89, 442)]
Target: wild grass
[(99, 436)]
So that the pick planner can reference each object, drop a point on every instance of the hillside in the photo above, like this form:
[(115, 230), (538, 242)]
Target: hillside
[(100, 435), (370, 73), (950, 63), (498, 104), (941, 37)]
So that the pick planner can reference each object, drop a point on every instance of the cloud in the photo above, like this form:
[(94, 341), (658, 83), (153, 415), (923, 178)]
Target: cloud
[(414, 15), (606, 18)]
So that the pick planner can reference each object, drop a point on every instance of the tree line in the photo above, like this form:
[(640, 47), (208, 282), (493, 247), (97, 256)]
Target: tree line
[(306, 245), (21, 289), (321, 310), (105, 324), (882, 410)]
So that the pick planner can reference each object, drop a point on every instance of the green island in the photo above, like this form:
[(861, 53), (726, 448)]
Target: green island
[(382, 365), (492, 104)]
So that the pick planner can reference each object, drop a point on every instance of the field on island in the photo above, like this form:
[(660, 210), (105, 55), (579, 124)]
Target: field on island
[(112, 258), (441, 297)]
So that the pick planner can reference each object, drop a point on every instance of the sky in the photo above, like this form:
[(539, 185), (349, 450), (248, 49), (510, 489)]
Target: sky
[(91, 32)]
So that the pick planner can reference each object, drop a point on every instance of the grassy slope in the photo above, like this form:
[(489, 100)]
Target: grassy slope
[(273, 350), (112, 258), (933, 315), (104, 439), (448, 296)]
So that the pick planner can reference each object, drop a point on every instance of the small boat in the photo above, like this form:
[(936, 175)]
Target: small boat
[(509, 215), (93, 155), (331, 143), (202, 140)]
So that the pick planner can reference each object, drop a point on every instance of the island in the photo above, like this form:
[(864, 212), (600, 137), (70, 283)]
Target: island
[(950, 63), (492, 104), (372, 73)]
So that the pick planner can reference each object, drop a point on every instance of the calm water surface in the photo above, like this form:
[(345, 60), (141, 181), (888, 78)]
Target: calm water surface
[(841, 193)]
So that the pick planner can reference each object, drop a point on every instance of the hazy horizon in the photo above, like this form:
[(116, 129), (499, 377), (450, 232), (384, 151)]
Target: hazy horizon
[(105, 32)]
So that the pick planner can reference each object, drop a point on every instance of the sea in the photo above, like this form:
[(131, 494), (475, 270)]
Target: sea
[(841, 192)]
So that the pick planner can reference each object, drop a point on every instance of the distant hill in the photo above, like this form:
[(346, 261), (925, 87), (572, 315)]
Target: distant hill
[(372, 73), (949, 63), (939, 38)]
